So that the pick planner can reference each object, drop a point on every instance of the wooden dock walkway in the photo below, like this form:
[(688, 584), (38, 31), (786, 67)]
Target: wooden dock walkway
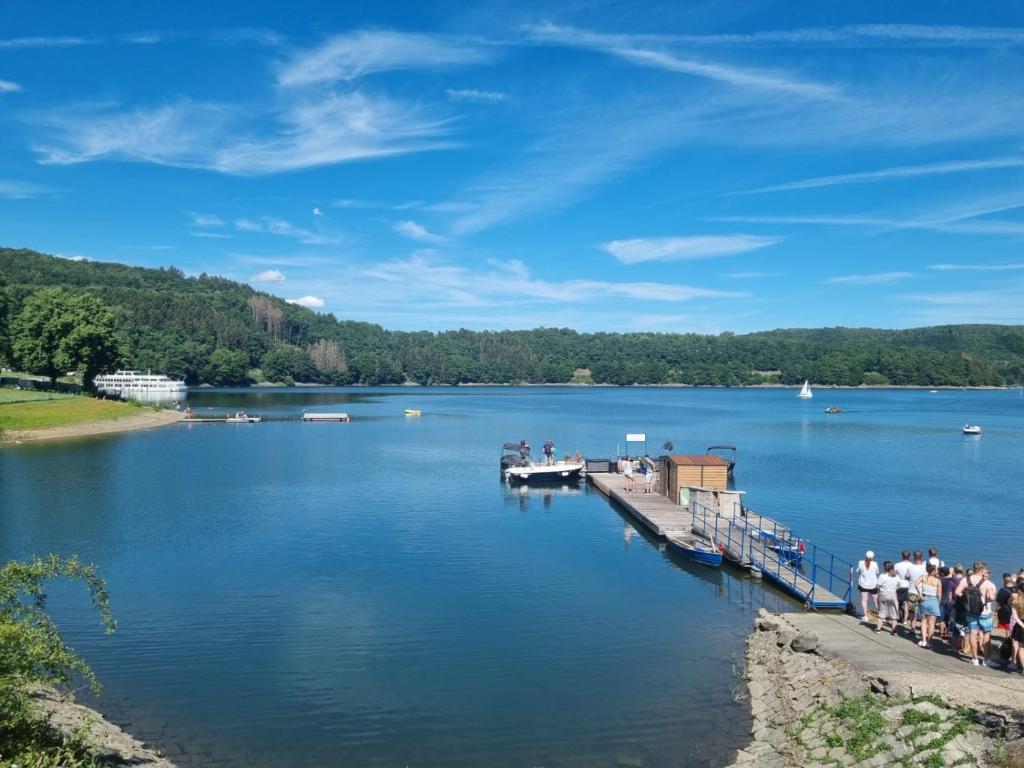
[(655, 511), (742, 536)]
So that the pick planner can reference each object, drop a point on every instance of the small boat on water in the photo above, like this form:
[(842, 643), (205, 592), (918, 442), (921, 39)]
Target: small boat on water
[(241, 417), (726, 452), (516, 467), (695, 547), (833, 409), (805, 391), (972, 430), (933, 391), (413, 412)]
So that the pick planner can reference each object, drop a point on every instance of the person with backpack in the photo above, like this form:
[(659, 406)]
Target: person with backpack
[(978, 593)]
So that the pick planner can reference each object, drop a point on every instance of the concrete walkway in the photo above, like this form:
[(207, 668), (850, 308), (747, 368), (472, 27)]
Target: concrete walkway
[(899, 659)]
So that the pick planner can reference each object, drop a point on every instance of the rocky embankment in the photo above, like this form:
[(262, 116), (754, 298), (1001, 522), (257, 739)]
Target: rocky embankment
[(810, 709), (112, 745)]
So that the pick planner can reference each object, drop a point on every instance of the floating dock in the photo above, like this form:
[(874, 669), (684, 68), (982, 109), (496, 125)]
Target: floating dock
[(821, 581), (325, 417)]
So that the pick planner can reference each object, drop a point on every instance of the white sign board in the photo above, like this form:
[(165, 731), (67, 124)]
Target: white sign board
[(638, 437)]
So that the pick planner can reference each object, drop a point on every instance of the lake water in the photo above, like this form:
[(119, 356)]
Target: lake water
[(369, 594)]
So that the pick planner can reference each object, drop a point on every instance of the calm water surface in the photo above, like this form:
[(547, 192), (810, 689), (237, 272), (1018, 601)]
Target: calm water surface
[(369, 594)]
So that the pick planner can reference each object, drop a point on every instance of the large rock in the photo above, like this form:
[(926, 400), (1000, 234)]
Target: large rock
[(805, 642)]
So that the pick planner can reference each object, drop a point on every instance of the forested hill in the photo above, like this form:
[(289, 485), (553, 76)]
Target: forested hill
[(218, 331)]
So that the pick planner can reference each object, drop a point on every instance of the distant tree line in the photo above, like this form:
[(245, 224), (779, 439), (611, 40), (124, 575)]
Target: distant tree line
[(220, 332)]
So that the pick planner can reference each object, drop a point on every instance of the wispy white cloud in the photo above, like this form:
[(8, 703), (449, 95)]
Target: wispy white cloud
[(898, 172), (745, 77), (425, 277), (309, 132), (684, 248), (472, 94), (43, 42), (418, 232), (873, 279), (23, 189), (268, 276), (211, 235), (268, 225), (6, 86), (976, 267), (310, 302), (206, 219), (357, 54), (851, 35)]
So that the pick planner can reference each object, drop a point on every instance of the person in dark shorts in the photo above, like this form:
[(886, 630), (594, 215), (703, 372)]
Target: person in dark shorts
[(1017, 632), (1003, 598), (867, 583), (903, 572)]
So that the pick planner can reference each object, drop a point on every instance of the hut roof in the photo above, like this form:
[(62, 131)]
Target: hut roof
[(701, 461)]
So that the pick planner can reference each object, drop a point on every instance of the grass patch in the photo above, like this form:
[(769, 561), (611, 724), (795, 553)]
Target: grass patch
[(10, 395), (61, 412)]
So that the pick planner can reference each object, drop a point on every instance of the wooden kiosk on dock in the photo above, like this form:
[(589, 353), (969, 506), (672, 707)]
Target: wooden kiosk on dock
[(681, 472)]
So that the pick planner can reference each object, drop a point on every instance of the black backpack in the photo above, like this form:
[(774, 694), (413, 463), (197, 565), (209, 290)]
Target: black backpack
[(972, 598)]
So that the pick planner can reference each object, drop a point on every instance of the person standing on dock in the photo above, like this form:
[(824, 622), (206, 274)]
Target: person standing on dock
[(627, 472), (867, 583), (649, 470)]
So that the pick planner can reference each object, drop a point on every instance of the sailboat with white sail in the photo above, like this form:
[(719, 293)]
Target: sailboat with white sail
[(805, 391)]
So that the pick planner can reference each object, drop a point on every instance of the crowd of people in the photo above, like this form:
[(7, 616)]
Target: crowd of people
[(945, 607)]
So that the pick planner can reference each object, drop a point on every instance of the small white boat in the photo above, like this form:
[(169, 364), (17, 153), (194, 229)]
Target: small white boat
[(243, 418), (805, 391), (933, 391), (972, 430)]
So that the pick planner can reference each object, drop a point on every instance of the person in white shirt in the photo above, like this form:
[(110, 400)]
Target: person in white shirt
[(902, 571), (916, 570), (933, 558), (867, 582), (888, 601)]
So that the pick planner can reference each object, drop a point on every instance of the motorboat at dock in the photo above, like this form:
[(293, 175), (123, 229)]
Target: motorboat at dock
[(517, 467)]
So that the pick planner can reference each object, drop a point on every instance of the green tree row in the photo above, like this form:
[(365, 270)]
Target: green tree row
[(221, 332)]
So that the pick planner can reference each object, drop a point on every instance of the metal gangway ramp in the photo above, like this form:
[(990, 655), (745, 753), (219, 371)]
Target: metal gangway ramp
[(802, 568)]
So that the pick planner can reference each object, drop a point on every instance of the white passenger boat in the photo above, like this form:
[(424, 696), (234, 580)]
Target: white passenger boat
[(145, 387), (972, 430)]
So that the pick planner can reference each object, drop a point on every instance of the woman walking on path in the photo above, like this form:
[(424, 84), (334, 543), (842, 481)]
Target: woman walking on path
[(888, 601), (929, 587), (867, 583)]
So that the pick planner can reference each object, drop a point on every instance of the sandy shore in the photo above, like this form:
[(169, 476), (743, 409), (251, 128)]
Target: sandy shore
[(141, 420)]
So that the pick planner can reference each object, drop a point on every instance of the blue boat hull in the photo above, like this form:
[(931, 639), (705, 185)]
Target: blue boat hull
[(697, 553)]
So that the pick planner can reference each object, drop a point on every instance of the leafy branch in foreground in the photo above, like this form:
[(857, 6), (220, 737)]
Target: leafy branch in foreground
[(33, 653)]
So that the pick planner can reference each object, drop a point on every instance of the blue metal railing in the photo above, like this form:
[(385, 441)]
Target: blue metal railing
[(751, 537)]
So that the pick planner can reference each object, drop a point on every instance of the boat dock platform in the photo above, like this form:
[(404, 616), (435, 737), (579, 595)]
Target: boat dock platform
[(316, 416), (819, 579)]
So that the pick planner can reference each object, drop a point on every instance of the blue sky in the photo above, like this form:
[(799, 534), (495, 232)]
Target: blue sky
[(685, 166)]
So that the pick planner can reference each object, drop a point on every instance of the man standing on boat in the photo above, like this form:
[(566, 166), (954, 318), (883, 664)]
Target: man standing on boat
[(524, 449), (549, 451)]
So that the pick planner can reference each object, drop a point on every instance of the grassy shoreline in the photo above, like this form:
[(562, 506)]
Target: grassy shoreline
[(26, 416)]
